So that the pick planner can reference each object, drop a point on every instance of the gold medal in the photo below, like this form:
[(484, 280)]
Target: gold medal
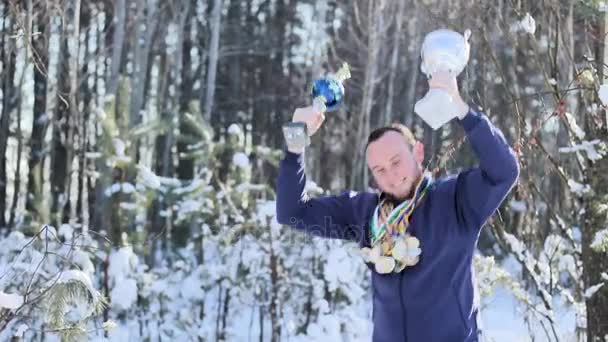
[(385, 265)]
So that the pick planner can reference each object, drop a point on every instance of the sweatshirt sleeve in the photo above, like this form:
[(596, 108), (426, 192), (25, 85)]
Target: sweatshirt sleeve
[(328, 216), (481, 190)]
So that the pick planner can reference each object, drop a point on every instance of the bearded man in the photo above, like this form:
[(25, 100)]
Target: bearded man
[(419, 234)]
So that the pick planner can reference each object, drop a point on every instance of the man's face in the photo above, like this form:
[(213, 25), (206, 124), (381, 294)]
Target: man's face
[(395, 165)]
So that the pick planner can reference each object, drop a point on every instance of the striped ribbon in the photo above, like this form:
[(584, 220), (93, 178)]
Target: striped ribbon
[(400, 215)]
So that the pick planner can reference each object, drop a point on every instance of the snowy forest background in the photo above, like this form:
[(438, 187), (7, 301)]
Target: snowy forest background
[(140, 142)]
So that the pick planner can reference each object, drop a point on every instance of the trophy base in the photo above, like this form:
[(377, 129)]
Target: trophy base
[(436, 108)]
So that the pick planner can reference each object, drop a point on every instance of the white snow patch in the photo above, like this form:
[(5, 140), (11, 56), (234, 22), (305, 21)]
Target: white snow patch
[(128, 188), (587, 146), (575, 127), (148, 178), (93, 155), (578, 188), (112, 189), (603, 94), (518, 206), (119, 147), (128, 206), (66, 231), (83, 260), (10, 301), (515, 244), (600, 239), (21, 329), (234, 129), (124, 294), (267, 209), (527, 24), (592, 290), (339, 268), (241, 160)]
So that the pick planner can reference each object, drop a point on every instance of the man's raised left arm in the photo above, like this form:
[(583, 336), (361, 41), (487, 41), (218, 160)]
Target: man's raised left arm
[(481, 190)]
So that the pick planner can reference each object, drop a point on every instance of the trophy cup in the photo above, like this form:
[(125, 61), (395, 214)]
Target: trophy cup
[(442, 51), (328, 92), (327, 95)]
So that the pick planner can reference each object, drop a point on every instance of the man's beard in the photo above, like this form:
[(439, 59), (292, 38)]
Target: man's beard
[(399, 199)]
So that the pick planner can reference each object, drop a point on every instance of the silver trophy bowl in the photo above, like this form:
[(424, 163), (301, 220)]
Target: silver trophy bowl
[(442, 51)]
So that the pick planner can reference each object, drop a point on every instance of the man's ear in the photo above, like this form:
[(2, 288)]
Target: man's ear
[(418, 152)]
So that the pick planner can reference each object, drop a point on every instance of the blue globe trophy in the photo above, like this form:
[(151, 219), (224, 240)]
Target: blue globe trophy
[(327, 95), (328, 92)]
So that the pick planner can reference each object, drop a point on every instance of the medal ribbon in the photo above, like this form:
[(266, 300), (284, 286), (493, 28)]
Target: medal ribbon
[(400, 214)]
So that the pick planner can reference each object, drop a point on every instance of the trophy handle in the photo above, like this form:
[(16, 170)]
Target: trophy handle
[(467, 35), (435, 108)]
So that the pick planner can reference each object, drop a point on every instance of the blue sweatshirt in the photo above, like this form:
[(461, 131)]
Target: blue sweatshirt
[(435, 300)]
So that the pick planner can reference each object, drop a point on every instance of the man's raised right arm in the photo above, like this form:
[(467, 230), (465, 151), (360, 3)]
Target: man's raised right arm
[(327, 216)]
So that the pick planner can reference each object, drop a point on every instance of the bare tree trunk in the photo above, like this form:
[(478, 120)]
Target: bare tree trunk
[(34, 200), (261, 323), (190, 73), (359, 176), (148, 19), (103, 213), (161, 140), (17, 182), (75, 115), (274, 298), (224, 316), (118, 38), (214, 44), (394, 65), (314, 153), (218, 317), (594, 263), (175, 74), (19, 133), (63, 125), (83, 119), (410, 93), (96, 199), (181, 232), (9, 100)]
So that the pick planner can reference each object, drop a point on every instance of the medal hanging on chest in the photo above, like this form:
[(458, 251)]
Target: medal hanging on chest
[(393, 248)]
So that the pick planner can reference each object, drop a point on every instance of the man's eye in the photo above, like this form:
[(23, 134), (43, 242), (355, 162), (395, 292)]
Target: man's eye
[(381, 171), (396, 162)]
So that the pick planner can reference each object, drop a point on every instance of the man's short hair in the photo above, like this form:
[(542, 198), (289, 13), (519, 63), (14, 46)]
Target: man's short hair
[(377, 133)]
